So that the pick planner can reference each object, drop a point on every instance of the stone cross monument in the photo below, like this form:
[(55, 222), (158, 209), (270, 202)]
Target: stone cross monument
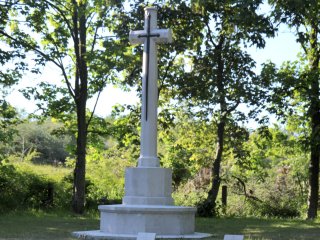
[(150, 37), (141, 181), (147, 208)]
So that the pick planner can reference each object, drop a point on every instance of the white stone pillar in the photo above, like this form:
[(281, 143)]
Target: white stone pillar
[(148, 138), (150, 37)]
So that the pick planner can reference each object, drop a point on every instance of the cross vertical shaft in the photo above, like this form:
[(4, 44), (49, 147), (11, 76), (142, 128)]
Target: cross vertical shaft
[(150, 37)]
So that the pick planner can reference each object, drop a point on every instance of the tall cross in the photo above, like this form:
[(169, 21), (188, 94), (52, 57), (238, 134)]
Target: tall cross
[(150, 36)]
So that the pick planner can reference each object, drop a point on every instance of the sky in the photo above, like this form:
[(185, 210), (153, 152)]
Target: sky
[(281, 48), (108, 98)]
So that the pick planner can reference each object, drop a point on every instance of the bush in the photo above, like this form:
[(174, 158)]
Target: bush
[(278, 204), (23, 189)]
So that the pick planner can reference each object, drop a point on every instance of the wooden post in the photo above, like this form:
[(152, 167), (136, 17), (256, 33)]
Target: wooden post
[(50, 194), (224, 198)]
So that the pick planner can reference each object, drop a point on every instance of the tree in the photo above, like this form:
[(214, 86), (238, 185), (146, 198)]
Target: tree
[(296, 86), (221, 77), (72, 35), (11, 70), (40, 137), (11, 59)]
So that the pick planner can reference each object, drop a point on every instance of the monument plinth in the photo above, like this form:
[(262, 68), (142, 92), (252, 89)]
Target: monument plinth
[(147, 206)]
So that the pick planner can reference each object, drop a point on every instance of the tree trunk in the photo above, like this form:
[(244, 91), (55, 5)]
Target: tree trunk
[(313, 197), (314, 112), (81, 95), (80, 168), (208, 208)]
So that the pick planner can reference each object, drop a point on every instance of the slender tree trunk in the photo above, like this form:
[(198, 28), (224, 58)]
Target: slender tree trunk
[(210, 203), (78, 203), (313, 197), (314, 112), (80, 168), (209, 206)]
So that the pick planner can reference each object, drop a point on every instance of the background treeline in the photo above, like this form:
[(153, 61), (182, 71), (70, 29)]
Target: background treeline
[(265, 170), (209, 93)]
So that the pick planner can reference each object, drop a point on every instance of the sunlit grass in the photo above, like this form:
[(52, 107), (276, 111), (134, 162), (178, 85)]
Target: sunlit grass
[(55, 173)]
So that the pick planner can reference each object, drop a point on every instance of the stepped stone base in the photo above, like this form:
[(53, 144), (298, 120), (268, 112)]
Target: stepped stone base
[(132, 219), (126, 221), (147, 208)]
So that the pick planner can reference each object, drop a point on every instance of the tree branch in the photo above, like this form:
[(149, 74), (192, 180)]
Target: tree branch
[(70, 89), (90, 17), (246, 194), (25, 44), (94, 108), (54, 6), (166, 73), (231, 109), (210, 34), (76, 47), (94, 39)]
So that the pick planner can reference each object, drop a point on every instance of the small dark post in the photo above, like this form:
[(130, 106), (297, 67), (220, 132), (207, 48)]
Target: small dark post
[(224, 197), (50, 194)]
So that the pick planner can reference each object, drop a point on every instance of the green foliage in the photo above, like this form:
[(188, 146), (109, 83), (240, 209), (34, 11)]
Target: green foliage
[(74, 37), (207, 72), (191, 193), (276, 183), (54, 35), (106, 170), (39, 138), (296, 85), (12, 59), (22, 187), (105, 174), (186, 147), (8, 119)]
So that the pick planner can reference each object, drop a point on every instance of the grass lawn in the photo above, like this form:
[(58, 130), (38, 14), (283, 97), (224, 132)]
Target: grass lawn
[(262, 229), (44, 225), (33, 225)]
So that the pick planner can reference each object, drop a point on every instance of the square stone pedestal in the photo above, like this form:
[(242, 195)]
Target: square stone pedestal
[(148, 186)]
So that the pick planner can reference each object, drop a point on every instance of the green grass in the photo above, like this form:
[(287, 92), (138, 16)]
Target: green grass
[(39, 225), (52, 172), (44, 225), (262, 229)]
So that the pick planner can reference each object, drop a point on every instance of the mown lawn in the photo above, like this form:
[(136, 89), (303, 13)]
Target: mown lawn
[(262, 229), (44, 225), (35, 225)]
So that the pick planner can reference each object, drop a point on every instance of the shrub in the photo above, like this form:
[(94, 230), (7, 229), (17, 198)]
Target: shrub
[(22, 188)]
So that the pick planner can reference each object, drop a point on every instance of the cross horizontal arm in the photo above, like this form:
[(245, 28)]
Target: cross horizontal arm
[(159, 36), (165, 35), (134, 37)]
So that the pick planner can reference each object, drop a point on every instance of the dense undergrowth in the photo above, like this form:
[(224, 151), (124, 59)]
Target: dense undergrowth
[(45, 187)]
